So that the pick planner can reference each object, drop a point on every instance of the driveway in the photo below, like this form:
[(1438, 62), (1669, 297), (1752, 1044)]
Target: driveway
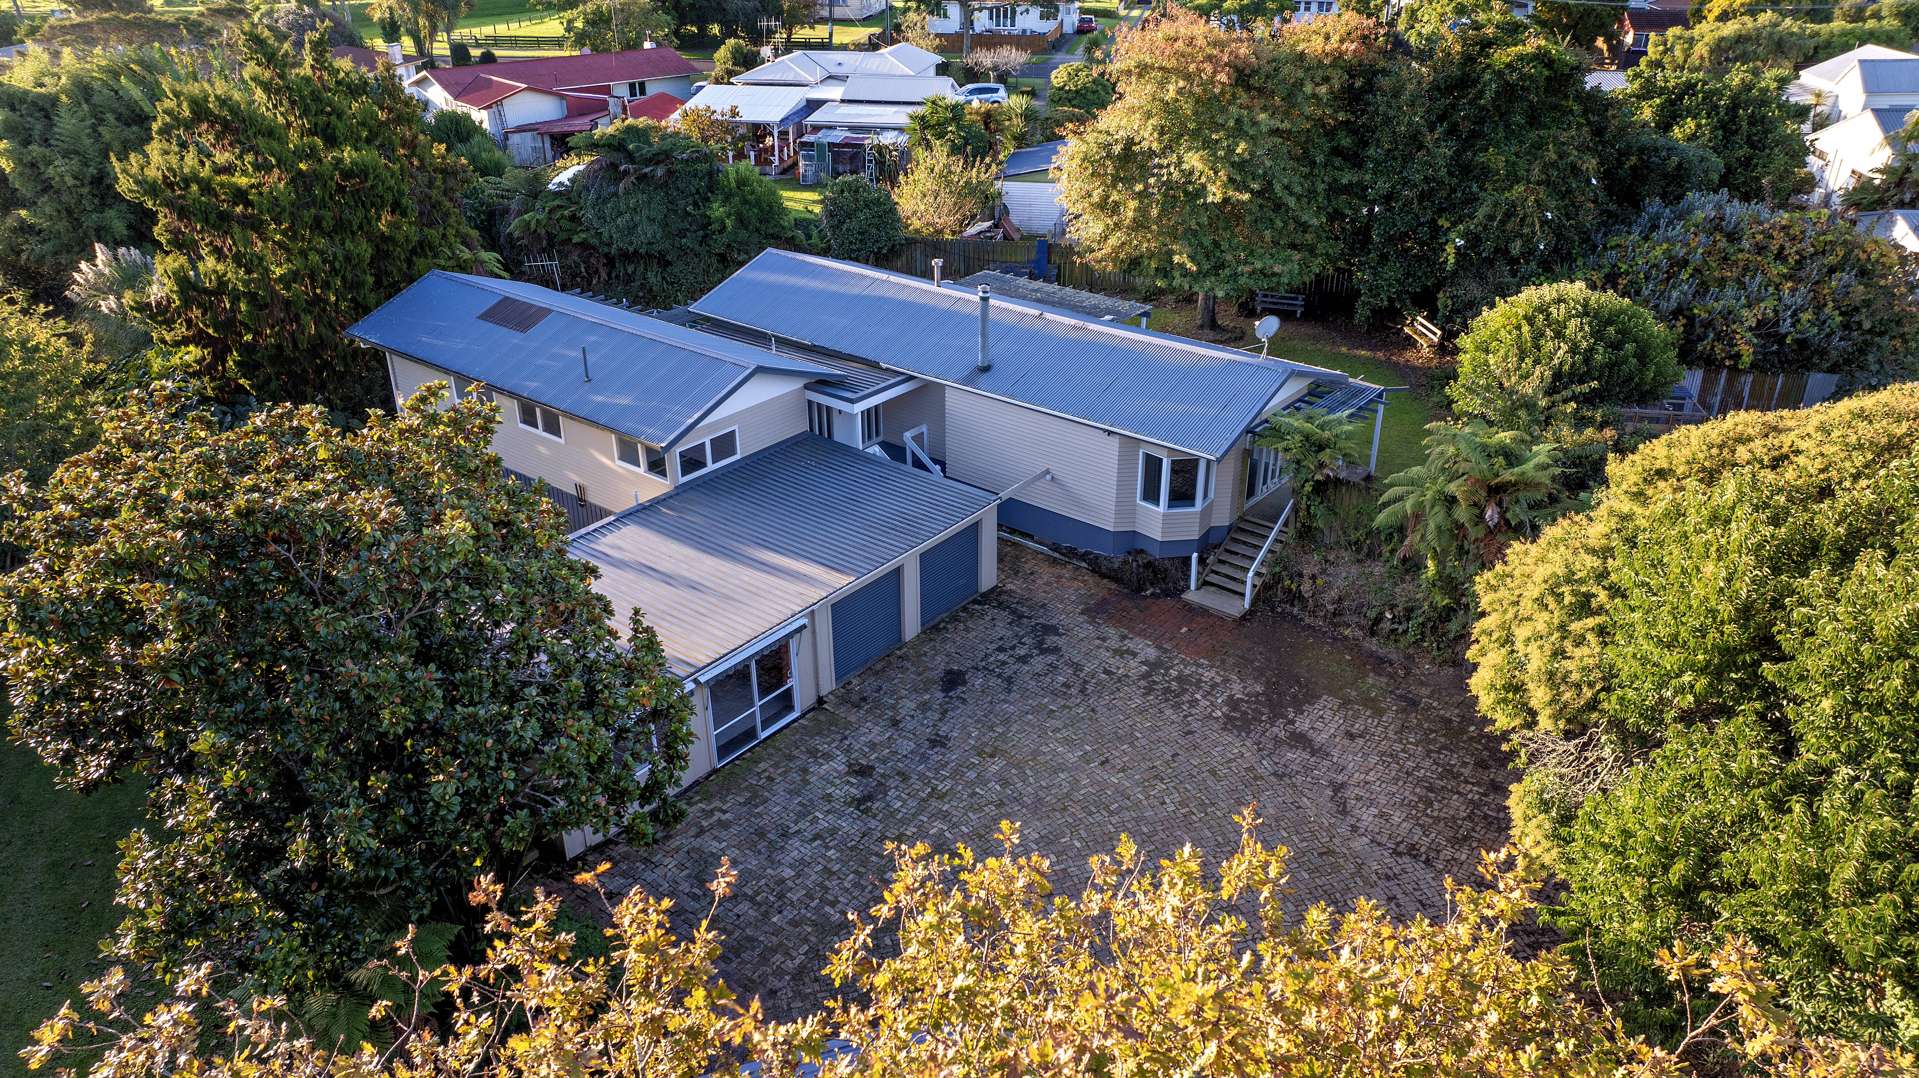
[(1080, 710)]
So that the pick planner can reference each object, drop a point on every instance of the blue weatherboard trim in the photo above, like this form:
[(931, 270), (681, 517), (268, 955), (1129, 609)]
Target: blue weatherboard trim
[(1058, 528)]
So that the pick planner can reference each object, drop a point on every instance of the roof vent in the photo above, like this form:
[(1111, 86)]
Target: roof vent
[(515, 314)]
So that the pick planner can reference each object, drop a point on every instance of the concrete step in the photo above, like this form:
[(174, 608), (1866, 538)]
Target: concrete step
[(1217, 600)]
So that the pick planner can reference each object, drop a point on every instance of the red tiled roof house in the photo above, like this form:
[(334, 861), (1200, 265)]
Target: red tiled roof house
[(532, 107)]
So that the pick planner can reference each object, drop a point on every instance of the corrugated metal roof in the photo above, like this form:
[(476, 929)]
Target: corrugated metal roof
[(1828, 72), (741, 550), (808, 66), (1165, 389), (897, 89), (757, 104), (855, 381), (1899, 76), (839, 114), (651, 380), (1032, 159)]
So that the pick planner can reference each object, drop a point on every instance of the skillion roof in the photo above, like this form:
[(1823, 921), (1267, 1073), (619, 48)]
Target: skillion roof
[(1163, 389), (734, 554), (650, 380)]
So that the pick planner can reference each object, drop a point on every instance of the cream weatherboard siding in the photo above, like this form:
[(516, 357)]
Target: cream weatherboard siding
[(766, 410), (585, 457), (923, 406), (994, 444)]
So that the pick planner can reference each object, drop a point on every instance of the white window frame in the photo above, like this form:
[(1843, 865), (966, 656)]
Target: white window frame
[(821, 419), (1203, 491), (761, 697), (536, 426), (1002, 16), (878, 424), (643, 451), (706, 445)]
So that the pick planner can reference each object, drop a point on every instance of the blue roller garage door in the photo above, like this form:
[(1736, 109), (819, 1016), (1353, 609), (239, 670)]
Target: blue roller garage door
[(866, 625), (949, 574)]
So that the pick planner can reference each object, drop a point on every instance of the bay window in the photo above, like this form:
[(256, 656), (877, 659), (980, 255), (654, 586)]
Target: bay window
[(1174, 484)]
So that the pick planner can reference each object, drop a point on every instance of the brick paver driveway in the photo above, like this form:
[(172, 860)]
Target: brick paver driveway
[(1081, 711)]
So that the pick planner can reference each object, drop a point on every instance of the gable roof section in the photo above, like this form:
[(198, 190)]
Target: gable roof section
[(480, 85), (651, 380), (1163, 389), (658, 105), (733, 554), (897, 89), (809, 66), (1829, 72), (757, 104)]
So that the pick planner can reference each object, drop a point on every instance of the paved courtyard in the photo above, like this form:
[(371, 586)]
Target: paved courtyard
[(1079, 710)]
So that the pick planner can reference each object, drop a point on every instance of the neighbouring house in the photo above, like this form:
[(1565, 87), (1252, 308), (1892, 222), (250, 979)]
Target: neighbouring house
[(849, 10), (1865, 78), (1606, 82), (1842, 155), (1032, 27), (1030, 189), (532, 107), (405, 65), (1894, 226), (845, 106), (1641, 22), (1305, 11)]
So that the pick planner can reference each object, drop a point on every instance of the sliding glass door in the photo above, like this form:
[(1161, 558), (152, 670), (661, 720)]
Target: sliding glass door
[(752, 699)]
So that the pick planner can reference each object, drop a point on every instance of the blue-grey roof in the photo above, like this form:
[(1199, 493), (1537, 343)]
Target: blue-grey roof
[(727, 557), (1889, 76), (650, 380), (1176, 392), (1058, 297), (1032, 159)]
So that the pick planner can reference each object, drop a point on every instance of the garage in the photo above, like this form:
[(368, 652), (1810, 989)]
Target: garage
[(949, 574), (866, 625)]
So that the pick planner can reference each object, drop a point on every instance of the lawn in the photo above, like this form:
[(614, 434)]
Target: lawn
[(1321, 345), (57, 859), (804, 202)]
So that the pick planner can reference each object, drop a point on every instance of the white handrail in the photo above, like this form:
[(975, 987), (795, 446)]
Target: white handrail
[(1253, 572)]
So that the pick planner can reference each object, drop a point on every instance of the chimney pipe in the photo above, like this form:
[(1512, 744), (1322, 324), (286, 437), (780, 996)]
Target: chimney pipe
[(939, 264), (393, 53), (985, 306)]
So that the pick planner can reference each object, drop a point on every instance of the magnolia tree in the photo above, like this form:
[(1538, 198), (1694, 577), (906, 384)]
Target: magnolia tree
[(972, 965), (349, 666)]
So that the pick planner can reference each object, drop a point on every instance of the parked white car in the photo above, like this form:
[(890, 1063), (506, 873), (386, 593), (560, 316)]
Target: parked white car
[(988, 93)]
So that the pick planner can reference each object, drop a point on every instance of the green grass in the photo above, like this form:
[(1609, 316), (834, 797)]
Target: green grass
[(804, 202), (1407, 413), (57, 859)]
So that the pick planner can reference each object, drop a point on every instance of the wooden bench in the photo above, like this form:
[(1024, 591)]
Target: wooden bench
[(1282, 302), (1423, 330)]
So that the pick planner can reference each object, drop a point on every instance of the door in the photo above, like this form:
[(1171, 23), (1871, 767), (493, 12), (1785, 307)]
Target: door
[(916, 454), (866, 625), (1263, 474), (949, 574)]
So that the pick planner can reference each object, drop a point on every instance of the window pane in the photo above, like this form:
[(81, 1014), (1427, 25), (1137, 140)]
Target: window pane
[(1149, 477), (692, 459), (1182, 488), (529, 416), (776, 707), (731, 694), (550, 421), (774, 666), (628, 449), (726, 446), (656, 460)]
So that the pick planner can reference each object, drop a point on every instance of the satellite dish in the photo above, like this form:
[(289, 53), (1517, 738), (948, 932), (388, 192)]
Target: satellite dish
[(1264, 330)]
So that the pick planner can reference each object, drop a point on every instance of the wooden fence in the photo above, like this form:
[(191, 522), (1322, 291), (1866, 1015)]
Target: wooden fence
[(531, 42), (964, 257)]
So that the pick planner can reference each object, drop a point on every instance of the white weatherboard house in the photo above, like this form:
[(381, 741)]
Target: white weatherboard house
[(810, 464), (1852, 149), (1005, 18), (1868, 77)]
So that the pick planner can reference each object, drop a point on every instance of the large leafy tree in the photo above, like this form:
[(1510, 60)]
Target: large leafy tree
[(1218, 167), (1148, 969), (48, 379), (1560, 354), (351, 666), (859, 220), (63, 123), (1750, 287), (290, 200), (655, 217), (1711, 677), (942, 194), (1769, 39), (1740, 113)]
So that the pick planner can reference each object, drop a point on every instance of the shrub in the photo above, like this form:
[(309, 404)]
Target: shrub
[(1751, 287), (733, 57), (1081, 87), (950, 125), (462, 53), (466, 139), (1561, 354), (858, 220), (487, 57), (944, 194), (1710, 675)]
